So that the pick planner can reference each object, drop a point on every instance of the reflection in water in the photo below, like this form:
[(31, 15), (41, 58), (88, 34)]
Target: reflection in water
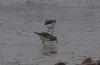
[(50, 48)]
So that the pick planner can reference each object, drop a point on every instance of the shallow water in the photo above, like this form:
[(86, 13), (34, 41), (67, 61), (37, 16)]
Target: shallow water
[(77, 29)]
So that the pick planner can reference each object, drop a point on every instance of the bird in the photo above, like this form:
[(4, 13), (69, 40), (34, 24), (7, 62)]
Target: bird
[(61, 63), (46, 37), (88, 61), (50, 25), (98, 62)]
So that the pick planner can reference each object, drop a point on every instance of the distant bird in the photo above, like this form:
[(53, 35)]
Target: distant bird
[(61, 63), (98, 62), (88, 61), (46, 37), (50, 25)]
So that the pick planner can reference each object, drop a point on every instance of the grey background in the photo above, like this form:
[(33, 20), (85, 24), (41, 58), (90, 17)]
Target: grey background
[(77, 29)]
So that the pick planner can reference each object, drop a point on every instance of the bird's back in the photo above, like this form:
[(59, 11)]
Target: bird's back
[(49, 22), (47, 35)]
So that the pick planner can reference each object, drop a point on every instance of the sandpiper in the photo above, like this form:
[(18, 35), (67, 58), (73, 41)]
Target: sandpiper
[(46, 36), (49, 42), (50, 25)]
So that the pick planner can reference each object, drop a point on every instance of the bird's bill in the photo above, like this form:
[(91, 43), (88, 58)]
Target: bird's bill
[(36, 33)]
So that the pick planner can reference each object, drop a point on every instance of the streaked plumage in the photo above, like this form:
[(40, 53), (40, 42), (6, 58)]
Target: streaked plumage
[(47, 36)]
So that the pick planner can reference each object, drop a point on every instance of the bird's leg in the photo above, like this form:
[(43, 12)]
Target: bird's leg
[(57, 42), (42, 40), (53, 31), (50, 31), (44, 45)]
